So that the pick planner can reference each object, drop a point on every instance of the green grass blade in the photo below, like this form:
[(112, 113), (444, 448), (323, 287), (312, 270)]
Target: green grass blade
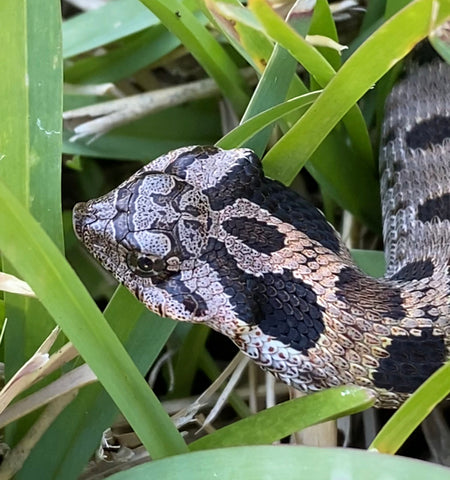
[(318, 67), (323, 24), (240, 135), (372, 60), (250, 43), (409, 416), (285, 463), (180, 20), (280, 421), (41, 264), (104, 25), (30, 139), (126, 58)]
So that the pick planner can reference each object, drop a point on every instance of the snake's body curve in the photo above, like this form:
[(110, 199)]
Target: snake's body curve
[(200, 235)]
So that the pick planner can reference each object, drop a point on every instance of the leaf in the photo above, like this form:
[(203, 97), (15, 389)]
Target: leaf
[(285, 463), (30, 139), (240, 135), (319, 68), (104, 25), (75, 434)]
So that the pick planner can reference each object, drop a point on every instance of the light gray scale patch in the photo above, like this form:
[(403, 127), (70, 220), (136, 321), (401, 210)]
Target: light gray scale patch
[(202, 173), (404, 189)]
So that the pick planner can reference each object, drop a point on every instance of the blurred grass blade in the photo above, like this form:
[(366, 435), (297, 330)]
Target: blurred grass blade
[(30, 251), (195, 123), (240, 135), (285, 463), (130, 55), (409, 416), (371, 61), (104, 25), (370, 261), (280, 421), (180, 20)]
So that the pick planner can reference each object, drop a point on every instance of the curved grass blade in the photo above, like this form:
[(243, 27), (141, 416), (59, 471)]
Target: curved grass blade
[(409, 416), (104, 25), (389, 44), (285, 463), (280, 421), (129, 56), (241, 134), (318, 67), (42, 266)]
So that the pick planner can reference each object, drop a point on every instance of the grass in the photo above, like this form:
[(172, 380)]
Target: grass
[(323, 129)]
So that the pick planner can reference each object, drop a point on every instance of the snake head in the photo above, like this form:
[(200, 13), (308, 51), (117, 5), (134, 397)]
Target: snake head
[(155, 230)]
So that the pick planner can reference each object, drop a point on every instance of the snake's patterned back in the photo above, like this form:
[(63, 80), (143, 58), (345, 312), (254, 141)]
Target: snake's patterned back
[(415, 166), (200, 235)]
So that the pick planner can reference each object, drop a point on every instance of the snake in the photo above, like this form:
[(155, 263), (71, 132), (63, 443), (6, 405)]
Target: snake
[(201, 235)]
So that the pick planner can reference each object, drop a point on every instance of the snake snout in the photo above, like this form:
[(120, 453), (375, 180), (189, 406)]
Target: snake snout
[(81, 217)]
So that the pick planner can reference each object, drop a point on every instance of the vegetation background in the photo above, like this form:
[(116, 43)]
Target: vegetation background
[(141, 78)]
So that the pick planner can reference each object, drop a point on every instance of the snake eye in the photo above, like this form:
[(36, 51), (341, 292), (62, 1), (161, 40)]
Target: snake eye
[(146, 265)]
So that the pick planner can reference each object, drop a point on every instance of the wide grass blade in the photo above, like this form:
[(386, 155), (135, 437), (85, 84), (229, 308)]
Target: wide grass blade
[(285, 463), (30, 139)]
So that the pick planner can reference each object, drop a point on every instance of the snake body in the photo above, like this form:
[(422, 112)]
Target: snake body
[(201, 235)]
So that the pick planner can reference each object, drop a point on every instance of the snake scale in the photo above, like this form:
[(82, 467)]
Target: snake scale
[(201, 235)]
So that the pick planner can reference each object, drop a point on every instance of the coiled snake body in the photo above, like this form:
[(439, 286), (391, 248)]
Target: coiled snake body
[(200, 235)]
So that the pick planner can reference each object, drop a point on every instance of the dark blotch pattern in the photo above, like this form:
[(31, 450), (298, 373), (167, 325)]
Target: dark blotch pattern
[(415, 270), (432, 131), (287, 309), (438, 208), (257, 235), (412, 360), (282, 306), (244, 177), (233, 279), (247, 181), (121, 219), (354, 288)]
